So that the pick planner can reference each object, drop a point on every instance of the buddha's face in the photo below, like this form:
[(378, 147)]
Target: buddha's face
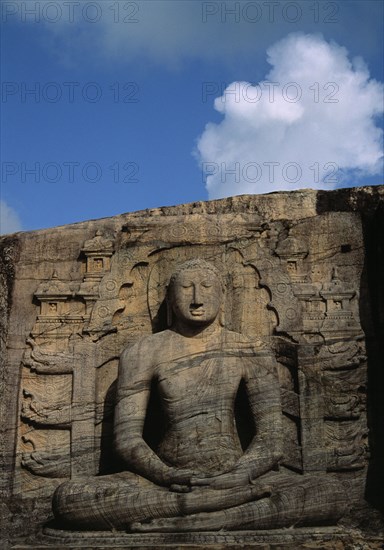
[(196, 296)]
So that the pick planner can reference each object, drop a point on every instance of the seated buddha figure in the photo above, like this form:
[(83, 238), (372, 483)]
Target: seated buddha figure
[(199, 477)]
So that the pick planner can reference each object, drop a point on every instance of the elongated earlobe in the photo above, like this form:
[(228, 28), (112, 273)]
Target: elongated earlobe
[(222, 316), (169, 314)]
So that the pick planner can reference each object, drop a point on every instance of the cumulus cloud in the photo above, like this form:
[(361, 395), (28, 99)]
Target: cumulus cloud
[(310, 123), (9, 220)]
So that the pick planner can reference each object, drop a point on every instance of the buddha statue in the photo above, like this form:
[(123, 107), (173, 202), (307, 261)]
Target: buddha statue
[(199, 477)]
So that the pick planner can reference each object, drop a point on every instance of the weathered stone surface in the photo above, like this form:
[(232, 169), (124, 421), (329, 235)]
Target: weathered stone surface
[(302, 274)]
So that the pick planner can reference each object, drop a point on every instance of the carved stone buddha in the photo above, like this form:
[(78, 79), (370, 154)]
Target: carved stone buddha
[(200, 476)]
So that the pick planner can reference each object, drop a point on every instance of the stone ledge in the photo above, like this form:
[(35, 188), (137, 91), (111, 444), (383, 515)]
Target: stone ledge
[(326, 538)]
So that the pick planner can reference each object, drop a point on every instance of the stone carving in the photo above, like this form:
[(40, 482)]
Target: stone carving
[(198, 476), (297, 297), (47, 362), (51, 462)]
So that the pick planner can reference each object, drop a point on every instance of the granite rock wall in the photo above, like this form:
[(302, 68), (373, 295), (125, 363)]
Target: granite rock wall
[(303, 273)]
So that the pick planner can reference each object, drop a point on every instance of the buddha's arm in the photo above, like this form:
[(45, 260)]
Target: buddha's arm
[(265, 449), (133, 391), (263, 389)]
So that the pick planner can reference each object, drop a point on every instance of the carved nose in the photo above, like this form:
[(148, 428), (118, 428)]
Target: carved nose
[(195, 305), (197, 302)]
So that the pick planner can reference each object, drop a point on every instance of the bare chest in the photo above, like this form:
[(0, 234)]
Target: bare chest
[(210, 377)]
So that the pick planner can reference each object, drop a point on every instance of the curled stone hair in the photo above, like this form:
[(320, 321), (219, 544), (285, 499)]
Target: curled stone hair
[(196, 263)]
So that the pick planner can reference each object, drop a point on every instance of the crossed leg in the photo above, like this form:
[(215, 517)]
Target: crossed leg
[(119, 500), (306, 500)]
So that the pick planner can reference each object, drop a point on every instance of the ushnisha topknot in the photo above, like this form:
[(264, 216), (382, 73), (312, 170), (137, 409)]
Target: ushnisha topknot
[(193, 264)]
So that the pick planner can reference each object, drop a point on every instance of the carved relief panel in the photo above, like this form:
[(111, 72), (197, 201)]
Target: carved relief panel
[(281, 290)]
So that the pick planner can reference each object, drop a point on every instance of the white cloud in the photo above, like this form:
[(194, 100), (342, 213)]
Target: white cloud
[(169, 32), (160, 31), (9, 220), (313, 115)]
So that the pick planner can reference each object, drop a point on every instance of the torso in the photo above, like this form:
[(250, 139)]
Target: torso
[(198, 383)]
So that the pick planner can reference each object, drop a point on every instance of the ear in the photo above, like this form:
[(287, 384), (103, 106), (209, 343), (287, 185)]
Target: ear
[(222, 316), (169, 313)]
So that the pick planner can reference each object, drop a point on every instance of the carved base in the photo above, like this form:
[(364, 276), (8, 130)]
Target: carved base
[(330, 538)]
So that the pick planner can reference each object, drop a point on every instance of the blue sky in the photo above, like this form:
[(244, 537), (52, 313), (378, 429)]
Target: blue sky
[(115, 106)]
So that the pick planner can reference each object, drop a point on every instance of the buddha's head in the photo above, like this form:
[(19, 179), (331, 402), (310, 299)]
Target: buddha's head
[(195, 293)]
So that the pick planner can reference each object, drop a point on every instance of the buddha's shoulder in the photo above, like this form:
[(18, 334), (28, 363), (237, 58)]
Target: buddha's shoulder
[(149, 345), (232, 337)]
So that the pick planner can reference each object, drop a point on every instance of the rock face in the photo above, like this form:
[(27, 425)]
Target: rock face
[(303, 281)]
